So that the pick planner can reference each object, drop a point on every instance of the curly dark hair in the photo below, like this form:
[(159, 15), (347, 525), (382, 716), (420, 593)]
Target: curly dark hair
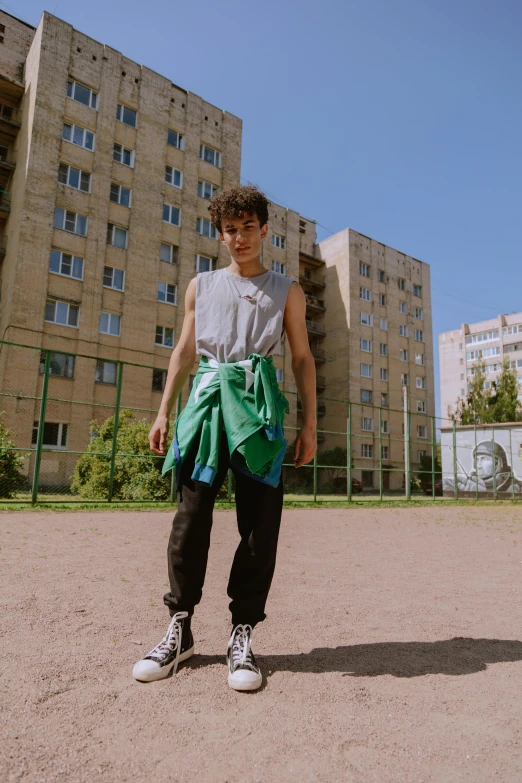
[(234, 201)]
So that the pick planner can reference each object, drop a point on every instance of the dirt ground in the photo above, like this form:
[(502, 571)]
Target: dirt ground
[(392, 651)]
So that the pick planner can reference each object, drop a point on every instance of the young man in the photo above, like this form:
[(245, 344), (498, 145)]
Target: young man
[(234, 318)]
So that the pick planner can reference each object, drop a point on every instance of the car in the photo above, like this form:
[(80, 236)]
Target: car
[(339, 483), (428, 488)]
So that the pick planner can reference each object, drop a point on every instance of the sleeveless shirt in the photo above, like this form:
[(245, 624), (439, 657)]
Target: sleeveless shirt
[(229, 328)]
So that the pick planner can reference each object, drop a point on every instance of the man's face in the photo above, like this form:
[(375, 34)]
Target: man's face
[(242, 236), (484, 465)]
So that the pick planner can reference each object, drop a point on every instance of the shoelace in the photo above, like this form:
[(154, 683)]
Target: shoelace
[(241, 653), (171, 640)]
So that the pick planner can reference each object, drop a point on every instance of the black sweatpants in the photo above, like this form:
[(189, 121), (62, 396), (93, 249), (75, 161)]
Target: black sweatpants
[(258, 509)]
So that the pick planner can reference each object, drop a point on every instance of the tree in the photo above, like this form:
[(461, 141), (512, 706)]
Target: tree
[(499, 403), (11, 480), (428, 468)]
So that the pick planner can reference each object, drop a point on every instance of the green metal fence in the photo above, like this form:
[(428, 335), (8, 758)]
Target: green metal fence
[(77, 432)]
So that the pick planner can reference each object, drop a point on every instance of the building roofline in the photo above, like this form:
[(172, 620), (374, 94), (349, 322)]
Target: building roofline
[(17, 18), (372, 239)]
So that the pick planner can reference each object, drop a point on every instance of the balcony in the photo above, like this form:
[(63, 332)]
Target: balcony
[(7, 161), (5, 204), (10, 119), (313, 303), (2, 249), (314, 328), (318, 354), (314, 280), (320, 383), (321, 406)]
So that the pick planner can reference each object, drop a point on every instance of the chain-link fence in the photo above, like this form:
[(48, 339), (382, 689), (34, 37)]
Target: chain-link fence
[(73, 428)]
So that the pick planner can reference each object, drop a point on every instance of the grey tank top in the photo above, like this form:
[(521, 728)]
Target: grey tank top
[(229, 328)]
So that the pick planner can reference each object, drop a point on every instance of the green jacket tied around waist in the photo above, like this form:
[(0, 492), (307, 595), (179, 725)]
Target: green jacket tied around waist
[(246, 397)]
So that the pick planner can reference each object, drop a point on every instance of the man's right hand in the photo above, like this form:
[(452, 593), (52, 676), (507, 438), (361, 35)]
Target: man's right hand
[(158, 435)]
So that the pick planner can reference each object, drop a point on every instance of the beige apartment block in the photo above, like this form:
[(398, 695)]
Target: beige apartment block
[(493, 342), (379, 337), (107, 169)]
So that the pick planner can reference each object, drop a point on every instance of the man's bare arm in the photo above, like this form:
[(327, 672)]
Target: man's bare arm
[(181, 362)]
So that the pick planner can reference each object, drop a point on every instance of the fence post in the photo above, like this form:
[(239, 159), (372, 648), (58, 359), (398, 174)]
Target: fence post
[(495, 492), (407, 486), (315, 455), (115, 431), (173, 471), (41, 423), (456, 486), (475, 452), (380, 455), (349, 452), (512, 475), (433, 434)]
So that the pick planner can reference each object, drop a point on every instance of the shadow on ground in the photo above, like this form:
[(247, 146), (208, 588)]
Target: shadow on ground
[(400, 659)]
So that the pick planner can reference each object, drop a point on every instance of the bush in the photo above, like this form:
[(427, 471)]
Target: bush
[(11, 480)]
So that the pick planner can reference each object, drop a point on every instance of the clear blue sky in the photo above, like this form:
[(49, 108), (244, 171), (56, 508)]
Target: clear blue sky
[(399, 118)]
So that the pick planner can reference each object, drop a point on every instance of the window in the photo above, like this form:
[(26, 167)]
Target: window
[(405, 381), (169, 253), (126, 115), (366, 345), (65, 264), (60, 365), (120, 195), (54, 435), (366, 294), (110, 324), (385, 400), (74, 178), (105, 372), (367, 478), (367, 424), (366, 396), (62, 313), (279, 241), (382, 299), (70, 221), (167, 293), (404, 355), (175, 139), (366, 451), (174, 177), (419, 335), (384, 374), (515, 329), (204, 264), (367, 319), (383, 349), (159, 378), (279, 374), (418, 313), (422, 431), (461, 362), (420, 383), (366, 370), (123, 155), (403, 331), (210, 156), (385, 452), (79, 136), (116, 236), (113, 278), (364, 269), (277, 266), (403, 308), (82, 94), (206, 228), (482, 338), (385, 427), (383, 324), (421, 453), (172, 214), (381, 276), (165, 336), (402, 284), (419, 359), (417, 290), (206, 189), (421, 406)]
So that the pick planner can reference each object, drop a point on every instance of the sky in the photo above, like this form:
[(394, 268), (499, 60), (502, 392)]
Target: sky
[(401, 120)]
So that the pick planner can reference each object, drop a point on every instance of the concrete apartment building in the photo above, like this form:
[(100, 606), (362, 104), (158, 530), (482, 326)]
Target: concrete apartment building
[(492, 342), (106, 169)]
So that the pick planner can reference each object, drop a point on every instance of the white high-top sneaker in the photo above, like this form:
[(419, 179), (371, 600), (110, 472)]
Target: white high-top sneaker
[(243, 672), (174, 648)]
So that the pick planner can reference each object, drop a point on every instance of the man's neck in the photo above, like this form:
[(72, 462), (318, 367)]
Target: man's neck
[(248, 269)]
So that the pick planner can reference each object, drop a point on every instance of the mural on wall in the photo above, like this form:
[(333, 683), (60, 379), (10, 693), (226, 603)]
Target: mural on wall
[(485, 462)]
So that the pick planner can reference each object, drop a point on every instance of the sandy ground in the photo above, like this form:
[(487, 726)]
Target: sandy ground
[(392, 651)]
